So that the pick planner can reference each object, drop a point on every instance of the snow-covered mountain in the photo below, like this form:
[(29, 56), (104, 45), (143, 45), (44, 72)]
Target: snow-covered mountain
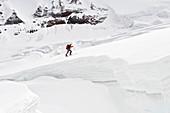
[(47, 13), (120, 61), (28, 10)]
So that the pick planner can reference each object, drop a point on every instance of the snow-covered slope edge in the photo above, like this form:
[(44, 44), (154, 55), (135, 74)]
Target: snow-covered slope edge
[(17, 98), (73, 96), (131, 77), (150, 81), (149, 50)]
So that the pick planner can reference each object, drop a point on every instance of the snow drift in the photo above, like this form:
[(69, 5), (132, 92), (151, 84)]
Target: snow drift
[(72, 96), (17, 98)]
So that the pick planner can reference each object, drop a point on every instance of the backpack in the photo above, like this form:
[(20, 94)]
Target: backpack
[(68, 46)]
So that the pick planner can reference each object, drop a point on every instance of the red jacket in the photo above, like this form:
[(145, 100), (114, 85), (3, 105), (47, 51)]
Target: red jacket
[(68, 46)]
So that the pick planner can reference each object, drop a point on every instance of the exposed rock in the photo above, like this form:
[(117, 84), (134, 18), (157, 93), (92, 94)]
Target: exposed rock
[(32, 31), (45, 11), (75, 2), (66, 14), (92, 7), (55, 22), (38, 12), (85, 19), (13, 19)]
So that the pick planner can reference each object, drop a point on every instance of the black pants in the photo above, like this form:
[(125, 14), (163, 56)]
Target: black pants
[(68, 50)]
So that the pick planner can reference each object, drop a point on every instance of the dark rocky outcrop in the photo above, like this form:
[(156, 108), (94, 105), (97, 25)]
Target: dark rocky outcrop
[(13, 19), (39, 12), (31, 31), (85, 19), (75, 2), (55, 22), (66, 15)]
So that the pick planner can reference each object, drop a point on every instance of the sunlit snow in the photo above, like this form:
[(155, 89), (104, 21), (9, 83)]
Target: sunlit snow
[(118, 66)]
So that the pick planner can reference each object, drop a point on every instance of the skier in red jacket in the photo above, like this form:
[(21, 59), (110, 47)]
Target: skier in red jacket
[(68, 47)]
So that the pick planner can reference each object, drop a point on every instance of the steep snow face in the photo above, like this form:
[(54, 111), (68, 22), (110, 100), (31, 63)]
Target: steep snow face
[(138, 87), (72, 96), (17, 98)]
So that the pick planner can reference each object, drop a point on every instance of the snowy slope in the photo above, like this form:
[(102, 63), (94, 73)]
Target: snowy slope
[(142, 48), (17, 98), (139, 49), (138, 65), (72, 96), (132, 6), (120, 65)]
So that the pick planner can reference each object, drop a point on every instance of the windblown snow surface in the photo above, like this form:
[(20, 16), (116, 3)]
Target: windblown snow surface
[(17, 98), (119, 66)]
